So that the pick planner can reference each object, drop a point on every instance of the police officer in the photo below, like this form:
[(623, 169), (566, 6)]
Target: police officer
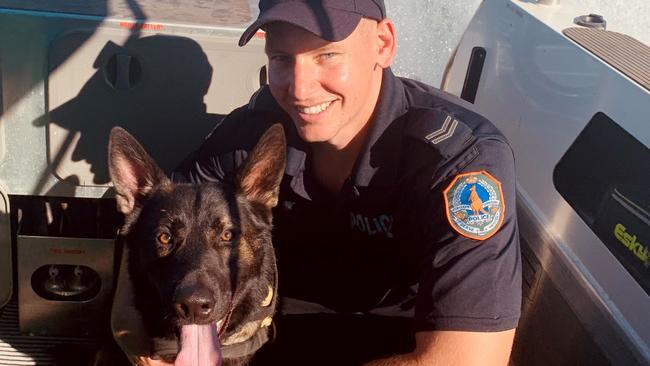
[(395, 230)]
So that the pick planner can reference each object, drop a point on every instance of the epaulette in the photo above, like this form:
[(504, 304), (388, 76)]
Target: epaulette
[(440, 130), (253, 100)]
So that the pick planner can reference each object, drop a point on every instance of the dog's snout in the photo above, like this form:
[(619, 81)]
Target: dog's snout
[(195, 306)]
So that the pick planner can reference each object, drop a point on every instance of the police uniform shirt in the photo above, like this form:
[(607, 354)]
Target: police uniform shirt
[(425, 224)]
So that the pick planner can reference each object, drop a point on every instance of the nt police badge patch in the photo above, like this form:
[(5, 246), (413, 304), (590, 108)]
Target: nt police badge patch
[(474, 205)]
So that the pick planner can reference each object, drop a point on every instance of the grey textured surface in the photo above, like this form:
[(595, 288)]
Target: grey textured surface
[(427, 34), (624, 53), (20, 349)]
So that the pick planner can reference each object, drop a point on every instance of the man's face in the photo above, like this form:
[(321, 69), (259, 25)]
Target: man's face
[(328, 88)]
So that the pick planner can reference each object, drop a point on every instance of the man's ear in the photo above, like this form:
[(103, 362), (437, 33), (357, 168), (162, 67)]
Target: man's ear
[(133, 172), (260, 176), (387, 42)]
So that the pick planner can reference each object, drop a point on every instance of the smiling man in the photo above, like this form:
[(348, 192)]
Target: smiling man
[(395, 230)]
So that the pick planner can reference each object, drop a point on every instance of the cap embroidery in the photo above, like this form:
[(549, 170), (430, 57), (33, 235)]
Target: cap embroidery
[(474, 205)]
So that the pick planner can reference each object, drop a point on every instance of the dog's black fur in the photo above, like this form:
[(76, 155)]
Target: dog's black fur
[(198, 251)]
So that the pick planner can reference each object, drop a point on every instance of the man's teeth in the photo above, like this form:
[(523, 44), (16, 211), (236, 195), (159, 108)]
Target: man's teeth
[(315, 109)]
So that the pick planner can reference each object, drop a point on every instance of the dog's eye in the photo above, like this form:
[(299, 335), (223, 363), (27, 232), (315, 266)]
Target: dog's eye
[(164, 238), (226, 235)]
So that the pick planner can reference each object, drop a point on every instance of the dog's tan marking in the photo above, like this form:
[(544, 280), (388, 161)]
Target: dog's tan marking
[(246, 252), (267, 300), (266, 322), (166, 188), (247, 331), (122, 333)]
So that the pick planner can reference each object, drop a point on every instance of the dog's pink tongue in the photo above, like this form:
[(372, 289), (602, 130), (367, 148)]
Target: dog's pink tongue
[(199, 346)]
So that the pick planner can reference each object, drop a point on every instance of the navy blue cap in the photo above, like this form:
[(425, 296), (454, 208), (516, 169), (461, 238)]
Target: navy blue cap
[(331, 20)]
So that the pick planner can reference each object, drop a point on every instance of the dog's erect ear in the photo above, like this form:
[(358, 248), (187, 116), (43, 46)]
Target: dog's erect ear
[(260, 176), (132, 170)]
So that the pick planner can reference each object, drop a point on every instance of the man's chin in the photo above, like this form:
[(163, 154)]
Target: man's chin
[(313, 134)]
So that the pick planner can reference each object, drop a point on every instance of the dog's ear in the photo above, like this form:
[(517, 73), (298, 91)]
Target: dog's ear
[(132, 170), (260, 176)]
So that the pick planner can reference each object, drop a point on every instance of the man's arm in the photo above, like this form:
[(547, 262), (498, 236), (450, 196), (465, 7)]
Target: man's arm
[(455, 348), (469, 292)]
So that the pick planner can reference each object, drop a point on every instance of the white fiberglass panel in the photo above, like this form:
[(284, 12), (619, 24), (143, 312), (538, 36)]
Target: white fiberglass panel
[(541, 89)]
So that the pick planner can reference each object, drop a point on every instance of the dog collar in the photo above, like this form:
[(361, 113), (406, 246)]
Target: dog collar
[(253, 334)]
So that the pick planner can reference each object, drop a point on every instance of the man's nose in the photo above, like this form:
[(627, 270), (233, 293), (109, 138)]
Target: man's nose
[(304, 80)]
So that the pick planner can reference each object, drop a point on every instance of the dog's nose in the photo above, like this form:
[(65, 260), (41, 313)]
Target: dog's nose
[(194, 306)]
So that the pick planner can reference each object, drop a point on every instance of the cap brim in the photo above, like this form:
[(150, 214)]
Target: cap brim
[(315, 20)]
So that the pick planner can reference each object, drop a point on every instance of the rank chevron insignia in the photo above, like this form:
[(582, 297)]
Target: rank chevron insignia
[(474, 205), (445, 132)]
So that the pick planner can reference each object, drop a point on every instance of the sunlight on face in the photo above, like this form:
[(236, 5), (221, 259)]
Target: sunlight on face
[(328, 88)]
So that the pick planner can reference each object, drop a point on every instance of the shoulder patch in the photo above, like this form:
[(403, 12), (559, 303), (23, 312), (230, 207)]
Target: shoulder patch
[(474, 204)]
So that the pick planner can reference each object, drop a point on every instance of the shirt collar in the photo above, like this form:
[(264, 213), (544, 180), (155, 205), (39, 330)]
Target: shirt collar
[(381, 148)]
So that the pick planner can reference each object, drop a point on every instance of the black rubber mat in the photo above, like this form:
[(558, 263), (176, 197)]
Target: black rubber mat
[(20, 349)]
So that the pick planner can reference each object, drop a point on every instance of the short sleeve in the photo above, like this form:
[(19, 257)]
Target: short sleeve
[(471, 276)]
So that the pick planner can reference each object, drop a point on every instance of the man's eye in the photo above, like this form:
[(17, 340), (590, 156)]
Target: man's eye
[(164, 238), (327, 56)]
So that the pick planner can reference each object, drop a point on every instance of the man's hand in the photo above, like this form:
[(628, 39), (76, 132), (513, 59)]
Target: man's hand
[(456, 348)]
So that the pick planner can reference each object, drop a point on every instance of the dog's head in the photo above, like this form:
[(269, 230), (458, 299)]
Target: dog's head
[(195, 250)]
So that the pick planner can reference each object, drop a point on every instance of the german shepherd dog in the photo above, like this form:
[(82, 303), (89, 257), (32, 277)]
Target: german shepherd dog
[(200, 257)]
